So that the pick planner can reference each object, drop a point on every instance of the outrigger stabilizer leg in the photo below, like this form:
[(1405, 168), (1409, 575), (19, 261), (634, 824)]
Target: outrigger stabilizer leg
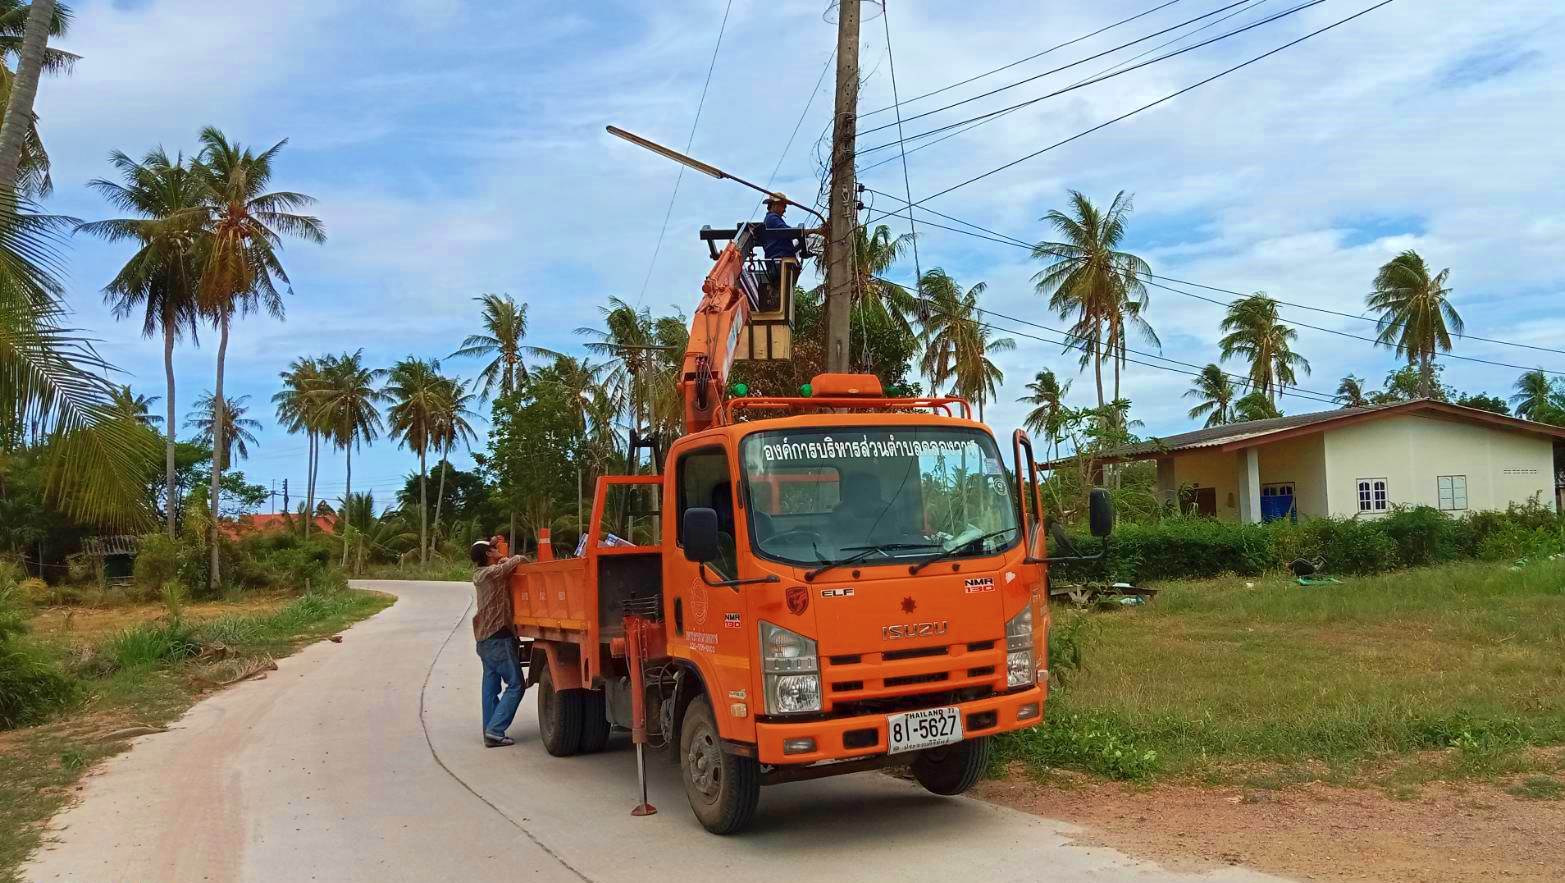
[(634, 650)]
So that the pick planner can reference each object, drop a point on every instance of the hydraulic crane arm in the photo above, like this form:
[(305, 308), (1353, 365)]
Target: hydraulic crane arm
[(715, 329)]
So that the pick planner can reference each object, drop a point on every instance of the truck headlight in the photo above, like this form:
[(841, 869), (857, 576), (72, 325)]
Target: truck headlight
[(791, 671), (1018, 650)]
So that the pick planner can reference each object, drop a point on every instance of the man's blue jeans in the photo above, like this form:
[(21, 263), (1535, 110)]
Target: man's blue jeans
[(501, 664)]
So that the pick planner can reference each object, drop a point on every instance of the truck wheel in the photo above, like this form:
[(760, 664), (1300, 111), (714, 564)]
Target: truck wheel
[(952, 769), (559, 716), (594, 721), (723, 788)]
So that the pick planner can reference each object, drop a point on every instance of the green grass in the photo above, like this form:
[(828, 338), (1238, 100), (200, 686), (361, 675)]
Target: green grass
[(142, 675), (1539, 788), (1219, 682), (434, 571)]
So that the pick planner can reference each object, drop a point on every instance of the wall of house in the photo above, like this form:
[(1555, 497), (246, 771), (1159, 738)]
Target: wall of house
[(1302, 461), (1213, 469), (1411, 452)]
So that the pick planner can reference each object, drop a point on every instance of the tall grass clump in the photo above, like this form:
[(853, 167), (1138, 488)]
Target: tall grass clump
[(31, 683)]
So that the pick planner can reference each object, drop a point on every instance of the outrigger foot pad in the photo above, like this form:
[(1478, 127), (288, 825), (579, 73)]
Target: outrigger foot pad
[(644, 809)]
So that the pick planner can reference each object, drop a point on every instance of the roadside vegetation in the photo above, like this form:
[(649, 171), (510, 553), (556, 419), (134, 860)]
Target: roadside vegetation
[(1448, 672), (84, 669)]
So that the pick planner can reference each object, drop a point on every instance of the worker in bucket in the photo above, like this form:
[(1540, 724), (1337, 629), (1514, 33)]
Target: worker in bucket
[(779, 240), (502, 685)]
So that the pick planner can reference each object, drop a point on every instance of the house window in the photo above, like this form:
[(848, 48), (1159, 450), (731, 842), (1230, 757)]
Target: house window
[(1281, 489), (1453, 492), (1372, 495)]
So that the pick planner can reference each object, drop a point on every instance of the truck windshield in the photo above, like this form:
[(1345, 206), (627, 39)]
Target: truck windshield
[(875, 494)]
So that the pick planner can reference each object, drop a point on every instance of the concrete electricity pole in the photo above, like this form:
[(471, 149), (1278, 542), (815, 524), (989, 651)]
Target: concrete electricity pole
[(843, 205)]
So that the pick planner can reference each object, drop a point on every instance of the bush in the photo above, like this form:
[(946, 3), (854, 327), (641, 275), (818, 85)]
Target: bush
[(157, 561), (1185, 547), (31, 684), (150, 644), (1425, 535)]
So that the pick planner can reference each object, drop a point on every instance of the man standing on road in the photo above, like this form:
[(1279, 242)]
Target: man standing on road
[(496, 639)]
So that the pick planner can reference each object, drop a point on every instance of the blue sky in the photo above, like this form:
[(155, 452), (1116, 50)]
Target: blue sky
[(458, 148)]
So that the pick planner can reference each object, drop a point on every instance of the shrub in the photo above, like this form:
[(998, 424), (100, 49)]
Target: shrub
[(150, 644), (157, 561), (31, 684), (1425, 535), (1515, 540)]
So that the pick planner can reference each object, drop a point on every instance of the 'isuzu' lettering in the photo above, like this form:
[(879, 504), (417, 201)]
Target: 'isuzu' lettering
[(914, 630)]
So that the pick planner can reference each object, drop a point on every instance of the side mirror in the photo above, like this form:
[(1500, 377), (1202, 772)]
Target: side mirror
[(700, 535), (1100, 513)]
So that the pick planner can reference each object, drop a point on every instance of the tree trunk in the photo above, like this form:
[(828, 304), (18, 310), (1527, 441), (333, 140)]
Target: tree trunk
[(309, 485), (24, 89), (218, 453), (423, 509), (342, 515), (440, 494), (170, 481), (1426, 374), (1097, 359)]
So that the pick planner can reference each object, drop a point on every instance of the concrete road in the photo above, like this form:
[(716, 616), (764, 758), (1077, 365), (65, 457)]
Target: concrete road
[(362, 761)]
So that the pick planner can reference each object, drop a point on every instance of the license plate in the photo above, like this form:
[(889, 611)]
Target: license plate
[(913, 730)]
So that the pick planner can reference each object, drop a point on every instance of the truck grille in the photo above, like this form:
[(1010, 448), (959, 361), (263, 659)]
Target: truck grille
[(912, 677)]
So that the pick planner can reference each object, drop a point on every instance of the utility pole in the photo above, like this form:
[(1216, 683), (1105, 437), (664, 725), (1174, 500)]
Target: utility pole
[(286, 510), (843, 205)]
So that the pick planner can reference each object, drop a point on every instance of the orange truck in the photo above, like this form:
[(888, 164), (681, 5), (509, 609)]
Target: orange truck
[(813, 585)]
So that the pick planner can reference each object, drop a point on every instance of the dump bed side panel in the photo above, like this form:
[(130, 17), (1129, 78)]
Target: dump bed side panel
[(551, 595)]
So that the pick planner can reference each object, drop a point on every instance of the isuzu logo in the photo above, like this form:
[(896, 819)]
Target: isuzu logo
[(914, 630)]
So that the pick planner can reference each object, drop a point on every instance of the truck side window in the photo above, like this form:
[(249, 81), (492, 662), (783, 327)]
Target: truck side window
[(704, 482)]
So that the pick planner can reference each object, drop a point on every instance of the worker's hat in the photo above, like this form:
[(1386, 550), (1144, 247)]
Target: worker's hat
[(776, 197)]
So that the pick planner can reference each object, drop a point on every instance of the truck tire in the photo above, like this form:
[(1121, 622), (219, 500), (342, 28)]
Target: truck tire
[(723, 788), (559, 716), (952, 769), (594, 722)]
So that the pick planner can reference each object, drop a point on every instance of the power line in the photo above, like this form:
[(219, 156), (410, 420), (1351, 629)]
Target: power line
[(689, 143), (1098, 78), (918, 270), (1150, 105), (1137, 57), (1294, 391), (1063, 67), (1022, 60), (1003, 239)]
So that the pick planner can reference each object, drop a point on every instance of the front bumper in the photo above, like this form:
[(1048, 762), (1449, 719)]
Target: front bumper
[(866, 736)]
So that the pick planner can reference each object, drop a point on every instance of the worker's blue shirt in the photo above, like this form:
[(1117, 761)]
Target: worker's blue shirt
[(778, 245)]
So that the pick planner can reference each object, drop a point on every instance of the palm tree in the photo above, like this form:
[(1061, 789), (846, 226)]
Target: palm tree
[(957, 342), (1255, 406), (237, 430), (160, 279), (33, 167), (133, 406), (417, 393), (505, 325), (1416, 315), (244, 227), (1091, 280), (1539, 398), (1047, 396), (1350, 392), (645, 357), (297, 412), (1256, 334), (450, 425), (348, 400), (52, 387), (32, 57), (1215, 395)]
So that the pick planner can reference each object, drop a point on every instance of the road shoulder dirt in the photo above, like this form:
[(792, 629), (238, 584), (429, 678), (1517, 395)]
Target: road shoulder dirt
[(1468, 831)]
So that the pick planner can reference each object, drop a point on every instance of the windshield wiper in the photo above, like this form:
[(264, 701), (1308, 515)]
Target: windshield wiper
[(954, 550), (862, 553)]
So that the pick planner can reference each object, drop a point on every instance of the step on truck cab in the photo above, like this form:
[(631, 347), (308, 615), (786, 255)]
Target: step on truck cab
[(812, 585)]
